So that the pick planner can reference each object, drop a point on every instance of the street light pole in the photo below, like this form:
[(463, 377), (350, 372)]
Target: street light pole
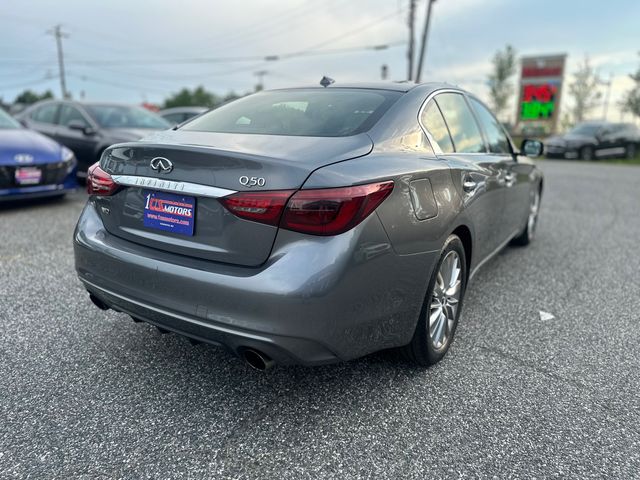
[(423, 45)]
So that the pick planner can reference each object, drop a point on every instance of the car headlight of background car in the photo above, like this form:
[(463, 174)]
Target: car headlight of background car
[(69, 159)]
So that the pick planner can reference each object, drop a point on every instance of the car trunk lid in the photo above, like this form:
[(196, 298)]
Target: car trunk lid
[(204, 166)]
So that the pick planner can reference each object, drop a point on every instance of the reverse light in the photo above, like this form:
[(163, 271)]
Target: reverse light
[(327, 211), (100, 182)]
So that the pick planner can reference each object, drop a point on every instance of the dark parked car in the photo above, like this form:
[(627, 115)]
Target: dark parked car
[(309, 225), (89, 128), (178, 115), (32, 165), (592, 140)]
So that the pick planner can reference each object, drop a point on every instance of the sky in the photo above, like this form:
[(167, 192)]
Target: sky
[(134, 51)]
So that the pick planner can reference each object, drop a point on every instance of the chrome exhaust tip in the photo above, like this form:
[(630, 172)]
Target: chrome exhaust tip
[(257, 360)]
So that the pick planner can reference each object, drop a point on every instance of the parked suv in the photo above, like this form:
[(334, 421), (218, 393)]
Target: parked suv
[(88, 128), (593, 140)]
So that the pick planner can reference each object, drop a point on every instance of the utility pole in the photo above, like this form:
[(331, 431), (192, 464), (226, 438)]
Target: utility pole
[(411, 22), (260, 74), (423, 45), (58, 34), (607, 97)]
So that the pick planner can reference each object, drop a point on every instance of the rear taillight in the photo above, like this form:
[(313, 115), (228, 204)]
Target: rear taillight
[(328, 211), (100, 182), (333, 211), (263, 207)]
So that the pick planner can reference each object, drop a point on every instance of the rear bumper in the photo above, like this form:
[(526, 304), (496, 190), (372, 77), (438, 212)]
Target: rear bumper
[(316, 300)]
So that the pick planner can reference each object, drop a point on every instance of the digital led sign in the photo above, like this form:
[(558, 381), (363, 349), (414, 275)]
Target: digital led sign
[(538, 101), (540, 92)]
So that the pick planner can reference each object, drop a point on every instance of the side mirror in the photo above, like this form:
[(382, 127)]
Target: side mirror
[(80, 125), (532, 148)]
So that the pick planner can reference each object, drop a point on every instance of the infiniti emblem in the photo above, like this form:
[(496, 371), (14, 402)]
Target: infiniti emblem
[(161, 164)]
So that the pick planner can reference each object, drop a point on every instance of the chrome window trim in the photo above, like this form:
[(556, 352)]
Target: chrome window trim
[(438, 150), (172, 186)]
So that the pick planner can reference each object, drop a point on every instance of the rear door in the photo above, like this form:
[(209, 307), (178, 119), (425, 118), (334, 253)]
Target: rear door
[(44, 119), (611, 141), (514, 177), (476, 174)]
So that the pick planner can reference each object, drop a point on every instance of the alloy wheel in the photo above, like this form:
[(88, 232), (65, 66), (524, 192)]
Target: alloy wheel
[(534, 208), (445, 300)]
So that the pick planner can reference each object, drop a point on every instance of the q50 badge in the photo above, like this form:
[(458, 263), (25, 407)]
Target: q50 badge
[(252, 181)]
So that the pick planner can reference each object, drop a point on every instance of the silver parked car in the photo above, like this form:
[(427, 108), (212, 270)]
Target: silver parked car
[(178, 115), (309, 225)]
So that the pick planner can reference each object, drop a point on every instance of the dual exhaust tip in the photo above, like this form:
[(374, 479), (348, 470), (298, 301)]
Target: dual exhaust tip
[(254, 358)]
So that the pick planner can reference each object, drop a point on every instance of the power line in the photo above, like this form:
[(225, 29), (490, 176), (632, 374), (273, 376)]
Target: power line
[(58, 34), (251, 58), (28, 83)]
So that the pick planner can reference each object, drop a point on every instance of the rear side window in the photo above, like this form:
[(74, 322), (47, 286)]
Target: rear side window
[(462, 125), (330, 112), (69, 114), (46, 113), (433, 122), (174, 118), (496, 137)]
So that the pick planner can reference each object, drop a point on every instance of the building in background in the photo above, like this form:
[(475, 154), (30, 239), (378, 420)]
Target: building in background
[(540, 91)]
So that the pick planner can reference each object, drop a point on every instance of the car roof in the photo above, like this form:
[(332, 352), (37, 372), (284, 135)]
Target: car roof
[(184, 109), (403, 86)]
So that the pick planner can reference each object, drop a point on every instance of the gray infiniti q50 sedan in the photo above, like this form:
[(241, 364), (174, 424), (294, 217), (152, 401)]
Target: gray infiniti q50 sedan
[(309, 225)]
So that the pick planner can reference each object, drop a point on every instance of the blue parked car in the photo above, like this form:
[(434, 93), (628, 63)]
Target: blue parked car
[(32, 165)]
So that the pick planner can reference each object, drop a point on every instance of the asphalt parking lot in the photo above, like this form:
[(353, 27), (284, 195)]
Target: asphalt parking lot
[(90, 394)]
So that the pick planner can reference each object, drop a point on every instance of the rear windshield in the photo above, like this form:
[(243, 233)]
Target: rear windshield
[(330, 112), (6, 121), (123, 116)]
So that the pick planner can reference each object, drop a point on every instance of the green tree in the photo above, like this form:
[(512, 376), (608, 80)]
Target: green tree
[(584, 91), (631, 100), (198, 97), (28, 97), (500, 85)]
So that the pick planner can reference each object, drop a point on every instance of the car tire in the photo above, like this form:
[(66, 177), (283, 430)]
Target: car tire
[(441, 307), (529, 231), (586, 154), (630, 151)]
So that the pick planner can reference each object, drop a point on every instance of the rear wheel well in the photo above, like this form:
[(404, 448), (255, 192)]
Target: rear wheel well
[(464, 234)]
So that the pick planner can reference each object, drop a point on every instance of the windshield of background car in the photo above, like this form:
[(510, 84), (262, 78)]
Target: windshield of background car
[(302, 112), (6, 121), (586, 129), (122, 116)]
